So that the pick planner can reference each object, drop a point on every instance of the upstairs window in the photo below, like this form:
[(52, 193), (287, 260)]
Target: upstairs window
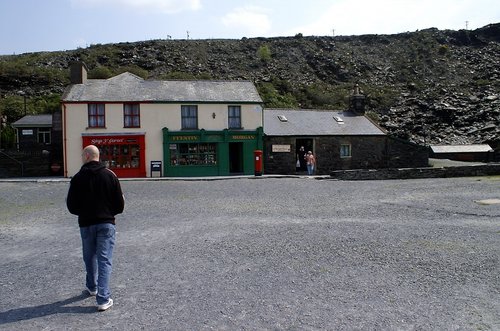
[(96, 115), (189, 117), (234, 117), (131, 115)]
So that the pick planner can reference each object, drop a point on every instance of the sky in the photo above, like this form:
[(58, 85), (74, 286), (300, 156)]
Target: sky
[(58, 25)]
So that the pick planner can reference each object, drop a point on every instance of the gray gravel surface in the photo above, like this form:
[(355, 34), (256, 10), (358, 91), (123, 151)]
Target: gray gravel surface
[(261, 254)]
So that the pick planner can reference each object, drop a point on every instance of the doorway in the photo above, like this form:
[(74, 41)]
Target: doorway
[(235, 158), (308, 146)]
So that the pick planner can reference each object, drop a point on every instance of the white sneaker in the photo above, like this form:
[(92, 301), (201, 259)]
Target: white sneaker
[(92, 293), (105, 306)]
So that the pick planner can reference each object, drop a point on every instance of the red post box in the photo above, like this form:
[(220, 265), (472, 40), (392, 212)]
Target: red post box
[(258, 162)]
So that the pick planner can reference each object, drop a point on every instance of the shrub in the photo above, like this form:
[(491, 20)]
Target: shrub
[(443, 49), (100, 73), (264, 53)]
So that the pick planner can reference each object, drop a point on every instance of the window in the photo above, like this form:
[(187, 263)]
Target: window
[(234, 116), (282, 118), (44, 135), (96, 115), (189, 115), (338, 119), (345, 151), (193, 154), (131, 115), (120, 156)]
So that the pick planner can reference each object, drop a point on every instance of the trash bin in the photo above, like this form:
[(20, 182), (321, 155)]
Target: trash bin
[(258, 162)]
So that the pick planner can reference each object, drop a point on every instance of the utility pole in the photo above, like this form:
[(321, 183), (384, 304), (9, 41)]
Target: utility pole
[(23, 93), (466, 25)]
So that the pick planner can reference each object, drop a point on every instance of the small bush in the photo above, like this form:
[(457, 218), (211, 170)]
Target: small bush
[(443, 49), (264, 53)]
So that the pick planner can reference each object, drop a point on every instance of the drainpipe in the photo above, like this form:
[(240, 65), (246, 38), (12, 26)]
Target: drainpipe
[(65, 157)]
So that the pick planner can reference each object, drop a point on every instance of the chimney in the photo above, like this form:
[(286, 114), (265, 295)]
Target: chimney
[(357, 101), (78, 73)]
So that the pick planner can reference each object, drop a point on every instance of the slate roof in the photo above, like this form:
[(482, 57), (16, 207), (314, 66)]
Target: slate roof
[(128, 87), (31, 121), (475, 148), (317, 123)]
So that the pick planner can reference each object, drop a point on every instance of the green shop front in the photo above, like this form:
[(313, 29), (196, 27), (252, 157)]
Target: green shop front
[(210, 153)]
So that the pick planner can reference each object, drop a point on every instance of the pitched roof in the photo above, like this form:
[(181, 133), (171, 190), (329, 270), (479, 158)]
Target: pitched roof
[(128, 87), (317, 123), (44, 120), (475, 148)]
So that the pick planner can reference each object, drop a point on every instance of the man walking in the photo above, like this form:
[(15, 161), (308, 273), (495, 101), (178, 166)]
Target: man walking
[(95, 195)]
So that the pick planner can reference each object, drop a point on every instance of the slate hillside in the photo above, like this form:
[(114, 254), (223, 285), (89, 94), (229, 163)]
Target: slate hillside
[(430, 86)]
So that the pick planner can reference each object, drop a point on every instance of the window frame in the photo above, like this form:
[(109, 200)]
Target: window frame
[(45, 134), (231, 117), (95, 118), (186, 119), (343, 154), (134, 119)]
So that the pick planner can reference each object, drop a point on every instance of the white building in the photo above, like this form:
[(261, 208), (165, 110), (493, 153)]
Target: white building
[(181, 128)]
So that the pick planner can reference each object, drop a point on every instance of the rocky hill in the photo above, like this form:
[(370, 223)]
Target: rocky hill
[(429, 86)]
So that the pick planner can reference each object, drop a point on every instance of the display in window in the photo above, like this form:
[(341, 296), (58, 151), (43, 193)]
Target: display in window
[(120, 156), (194, 154)]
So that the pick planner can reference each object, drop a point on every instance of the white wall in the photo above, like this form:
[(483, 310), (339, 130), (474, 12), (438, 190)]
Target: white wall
[(154, 117)]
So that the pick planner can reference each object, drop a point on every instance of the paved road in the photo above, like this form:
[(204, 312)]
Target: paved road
[(262, 254)]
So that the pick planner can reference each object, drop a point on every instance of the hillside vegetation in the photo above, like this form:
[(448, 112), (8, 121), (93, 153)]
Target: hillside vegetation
[(429, 86)]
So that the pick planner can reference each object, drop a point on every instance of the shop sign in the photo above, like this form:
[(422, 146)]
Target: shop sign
[(27, 132), (106, 141), (184, 138), (172, 146), (243, 137), (155, 166), (281, 148)]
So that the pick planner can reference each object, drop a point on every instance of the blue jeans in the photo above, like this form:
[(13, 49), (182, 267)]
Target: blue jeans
[(97, 243), (310, 169)]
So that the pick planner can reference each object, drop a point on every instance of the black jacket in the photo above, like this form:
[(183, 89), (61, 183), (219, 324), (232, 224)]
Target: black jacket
[(95, 195)]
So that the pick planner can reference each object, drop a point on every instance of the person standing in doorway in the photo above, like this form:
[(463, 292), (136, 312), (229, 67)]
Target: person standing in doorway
[(311, 163), (95, 195), (301, 159)]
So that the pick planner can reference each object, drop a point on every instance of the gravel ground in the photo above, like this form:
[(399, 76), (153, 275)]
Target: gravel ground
[(261, 254)]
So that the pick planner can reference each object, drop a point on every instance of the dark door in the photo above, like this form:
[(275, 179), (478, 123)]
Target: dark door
[(235, 158), (299, 152)]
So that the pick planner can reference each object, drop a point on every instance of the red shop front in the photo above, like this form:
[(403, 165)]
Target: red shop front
[(125, 154)]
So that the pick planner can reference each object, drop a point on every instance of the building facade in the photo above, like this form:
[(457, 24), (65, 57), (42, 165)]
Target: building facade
[(339, 141), (33, 131), (465, 153), (149, 128)]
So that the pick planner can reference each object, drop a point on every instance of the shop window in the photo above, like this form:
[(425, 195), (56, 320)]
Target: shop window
[(234, 117), (120, 156), (345, 151), (189, 117), (44, 135), (193, 154), (96, 115), (131, 115)]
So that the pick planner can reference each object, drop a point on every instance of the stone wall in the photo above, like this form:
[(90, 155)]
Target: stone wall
[(407, 173), (368, 152), (279, 162), (24, 166), (404, 154)]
